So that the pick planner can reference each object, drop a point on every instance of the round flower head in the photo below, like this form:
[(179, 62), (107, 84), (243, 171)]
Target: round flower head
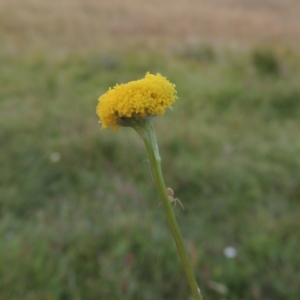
[(136, 100)]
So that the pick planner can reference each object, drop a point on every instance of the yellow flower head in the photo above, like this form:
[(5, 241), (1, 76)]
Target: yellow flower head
[(138, 99)]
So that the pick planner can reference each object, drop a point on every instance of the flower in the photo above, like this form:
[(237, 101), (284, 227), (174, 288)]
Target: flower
[(136, 100), (55, 157), (230, 252)]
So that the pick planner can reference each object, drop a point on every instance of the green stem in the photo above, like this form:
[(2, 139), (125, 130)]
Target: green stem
[(145, 129)]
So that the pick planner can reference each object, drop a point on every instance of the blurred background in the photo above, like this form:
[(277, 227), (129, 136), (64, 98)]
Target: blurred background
[(79, 216)]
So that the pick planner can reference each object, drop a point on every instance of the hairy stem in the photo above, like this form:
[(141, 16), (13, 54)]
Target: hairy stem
[(145, 130)]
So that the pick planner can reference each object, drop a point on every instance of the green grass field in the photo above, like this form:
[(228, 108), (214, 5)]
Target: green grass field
[(79, 218)]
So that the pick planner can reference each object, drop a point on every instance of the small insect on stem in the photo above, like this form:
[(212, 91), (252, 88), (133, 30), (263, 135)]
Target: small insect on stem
[(170, 194)]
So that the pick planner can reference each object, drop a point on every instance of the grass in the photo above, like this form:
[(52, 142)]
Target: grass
[(95, 24), (79, 217)]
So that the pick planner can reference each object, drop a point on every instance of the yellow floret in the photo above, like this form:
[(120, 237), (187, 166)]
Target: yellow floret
[(149, 96)]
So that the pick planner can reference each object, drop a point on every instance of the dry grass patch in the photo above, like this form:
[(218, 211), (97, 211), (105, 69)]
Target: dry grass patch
[(91, 23)]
